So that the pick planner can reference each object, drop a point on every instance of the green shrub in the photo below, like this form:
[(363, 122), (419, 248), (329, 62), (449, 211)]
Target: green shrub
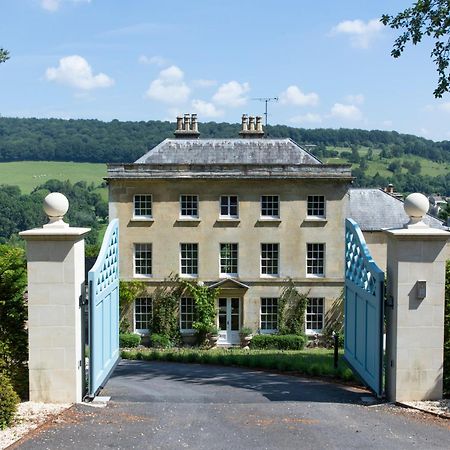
[(279, 342), (9, 401), (160, 341), (129, 340), (13, 314)]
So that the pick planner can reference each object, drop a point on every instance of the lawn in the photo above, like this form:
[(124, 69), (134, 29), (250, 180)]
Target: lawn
[(29, 174), (313, 362)]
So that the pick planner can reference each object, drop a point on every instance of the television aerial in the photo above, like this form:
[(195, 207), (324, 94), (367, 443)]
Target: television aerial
[(266, 100)]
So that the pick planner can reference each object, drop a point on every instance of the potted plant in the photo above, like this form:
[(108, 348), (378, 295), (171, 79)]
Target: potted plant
[(246, 334), (189, 338), (212, 335)]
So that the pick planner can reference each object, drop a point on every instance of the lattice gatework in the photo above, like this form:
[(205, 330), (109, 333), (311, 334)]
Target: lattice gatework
[(359, 265), (109, 268), (363, 310)]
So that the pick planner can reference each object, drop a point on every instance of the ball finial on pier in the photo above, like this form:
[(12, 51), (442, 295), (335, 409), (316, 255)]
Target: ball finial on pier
[(416, 207), (56, 206)]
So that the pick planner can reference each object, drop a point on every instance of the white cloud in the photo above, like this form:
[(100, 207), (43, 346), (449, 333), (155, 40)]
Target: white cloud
[(206, 109), (231, 94), (202, 83), (169, 87), (445, 106), (75, 71), (306, 118), (294, 96), (357, 99), (53, 5), (155, 60), (361, 33), (346, 112)]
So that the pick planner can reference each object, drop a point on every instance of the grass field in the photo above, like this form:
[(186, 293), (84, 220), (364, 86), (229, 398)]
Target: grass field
[(429, 167), (29, 174)]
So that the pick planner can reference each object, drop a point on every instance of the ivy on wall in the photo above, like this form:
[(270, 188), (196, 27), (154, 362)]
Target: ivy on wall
[(291, 310)]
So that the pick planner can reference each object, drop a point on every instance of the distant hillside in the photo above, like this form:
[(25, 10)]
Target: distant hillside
[(412, 163), (96, 141)]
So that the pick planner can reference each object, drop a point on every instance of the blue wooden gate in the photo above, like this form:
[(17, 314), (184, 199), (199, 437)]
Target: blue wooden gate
[(104, 310), (363, 309)]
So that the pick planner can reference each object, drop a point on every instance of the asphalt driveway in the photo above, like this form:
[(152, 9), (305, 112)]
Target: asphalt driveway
[(157, 405)]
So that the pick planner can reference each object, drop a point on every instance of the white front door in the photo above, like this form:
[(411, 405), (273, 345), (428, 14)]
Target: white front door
[(229, 320)]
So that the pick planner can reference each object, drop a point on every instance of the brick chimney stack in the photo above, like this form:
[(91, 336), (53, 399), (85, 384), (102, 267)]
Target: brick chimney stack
[(251, 128), (187, 127)]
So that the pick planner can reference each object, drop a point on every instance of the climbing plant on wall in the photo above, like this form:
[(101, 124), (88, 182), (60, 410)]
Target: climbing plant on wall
[(291, 310)]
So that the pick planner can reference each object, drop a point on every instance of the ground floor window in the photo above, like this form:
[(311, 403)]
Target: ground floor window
[(314, 315), (269, 314), (142, 314), (187, 312)]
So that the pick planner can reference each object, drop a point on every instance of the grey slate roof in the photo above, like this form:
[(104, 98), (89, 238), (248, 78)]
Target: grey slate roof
[(374, 210), (228, 151)]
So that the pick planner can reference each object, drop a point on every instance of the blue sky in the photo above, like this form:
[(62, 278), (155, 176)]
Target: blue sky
[(328, 62)]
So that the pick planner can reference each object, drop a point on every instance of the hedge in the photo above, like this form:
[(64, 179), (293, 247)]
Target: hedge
[(9, 401), (278, 342), (129, 340)]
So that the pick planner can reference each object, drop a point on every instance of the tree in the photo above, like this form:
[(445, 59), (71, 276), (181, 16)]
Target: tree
[(429, 18), (4, 55)]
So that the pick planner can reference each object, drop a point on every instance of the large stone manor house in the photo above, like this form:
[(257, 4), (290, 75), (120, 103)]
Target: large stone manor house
[(243, 214)]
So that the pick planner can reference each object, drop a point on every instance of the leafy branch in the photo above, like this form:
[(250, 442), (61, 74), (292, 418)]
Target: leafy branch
[(429, 18)]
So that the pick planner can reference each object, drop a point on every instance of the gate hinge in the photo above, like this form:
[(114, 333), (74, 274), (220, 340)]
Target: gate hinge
[(390, 301), (83, 300)]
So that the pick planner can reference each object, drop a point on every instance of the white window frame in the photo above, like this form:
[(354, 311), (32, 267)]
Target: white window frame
[(270, 216), (268, 275), (231, 274), (311, 331), (186, 330), (228, 216), (143, 331), (261, 314), (143, 216), (314, 200), (189, 216), (315, 275), (188, 275), (141, 275)]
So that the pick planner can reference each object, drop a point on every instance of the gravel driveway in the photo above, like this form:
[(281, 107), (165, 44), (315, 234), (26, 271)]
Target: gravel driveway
[(157, 405)]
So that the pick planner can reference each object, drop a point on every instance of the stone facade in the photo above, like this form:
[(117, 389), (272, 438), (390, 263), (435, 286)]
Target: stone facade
[(296, 178)]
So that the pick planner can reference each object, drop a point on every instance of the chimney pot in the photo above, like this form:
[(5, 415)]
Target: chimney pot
[(251, 123), (179, 123), (187, 127)]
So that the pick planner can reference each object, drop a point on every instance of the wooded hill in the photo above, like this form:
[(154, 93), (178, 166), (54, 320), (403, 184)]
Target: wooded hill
[(115, 141), (412, 163)]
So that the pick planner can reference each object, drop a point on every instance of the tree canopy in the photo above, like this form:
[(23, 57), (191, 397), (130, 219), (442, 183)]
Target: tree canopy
[(4, 55), (430, 18)]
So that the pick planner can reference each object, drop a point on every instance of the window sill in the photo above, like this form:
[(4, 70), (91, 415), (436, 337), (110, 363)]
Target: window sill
[(142, 219), (226, 276), (315, 276), (229, 219), (186, 222), (313, 332), (145, 277), (315, 219), (188, 219), (189, 277), (142, 333), (269, 277), (268, 331)]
